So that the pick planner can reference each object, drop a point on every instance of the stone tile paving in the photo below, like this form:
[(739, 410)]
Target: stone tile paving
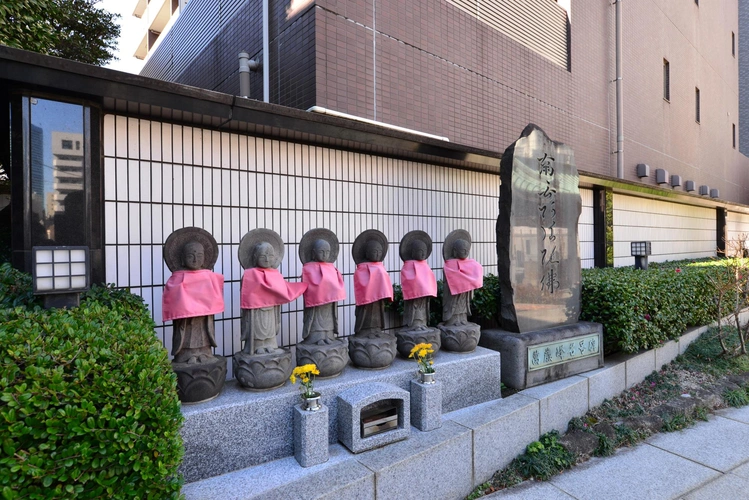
[(707, 461), (720, 444)]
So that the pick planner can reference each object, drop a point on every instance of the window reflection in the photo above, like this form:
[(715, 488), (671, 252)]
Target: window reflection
[(58, 201)]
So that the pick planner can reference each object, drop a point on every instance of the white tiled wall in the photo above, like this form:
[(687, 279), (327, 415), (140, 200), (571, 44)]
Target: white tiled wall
[(737, 229), (676, 231), (161, 177), (585, 229)]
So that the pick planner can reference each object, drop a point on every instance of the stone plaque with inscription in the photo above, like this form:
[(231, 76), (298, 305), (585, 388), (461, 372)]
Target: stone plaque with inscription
[(537, 237), (541, 339)]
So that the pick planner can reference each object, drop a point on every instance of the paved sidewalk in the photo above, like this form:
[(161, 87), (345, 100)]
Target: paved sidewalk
[(706, 462)]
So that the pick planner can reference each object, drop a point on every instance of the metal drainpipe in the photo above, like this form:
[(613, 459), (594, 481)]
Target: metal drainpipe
[(266, 54), (619, 95), (245, 66)]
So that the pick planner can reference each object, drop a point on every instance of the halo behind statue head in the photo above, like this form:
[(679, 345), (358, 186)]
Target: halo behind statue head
[(359, 251), (252, 239), (409, 239), (458, 234), (175, 243), (307, 245)]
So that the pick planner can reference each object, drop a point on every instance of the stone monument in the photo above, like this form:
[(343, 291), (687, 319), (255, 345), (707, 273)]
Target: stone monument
[(192, 295), (419, 286), (261, 364), (462, 277), (539, 266), (371, 347), (321, 345)]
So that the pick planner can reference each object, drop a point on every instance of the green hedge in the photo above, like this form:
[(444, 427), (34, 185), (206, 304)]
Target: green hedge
[(89, 403), (643, 309)]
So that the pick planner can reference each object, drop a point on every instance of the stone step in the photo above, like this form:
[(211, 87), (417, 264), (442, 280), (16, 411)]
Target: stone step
[(435, 465), (241, 429)]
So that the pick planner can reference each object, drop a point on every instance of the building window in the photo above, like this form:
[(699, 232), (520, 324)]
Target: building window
[(666, 81), (734, 136), (697, 105), (733, 44), (67, 144)]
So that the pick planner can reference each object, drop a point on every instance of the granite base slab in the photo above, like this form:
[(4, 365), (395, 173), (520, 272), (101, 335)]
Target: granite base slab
[(501, 431), (559, 402), (433, 465), (514, 348), (240, 428), (341, 477)]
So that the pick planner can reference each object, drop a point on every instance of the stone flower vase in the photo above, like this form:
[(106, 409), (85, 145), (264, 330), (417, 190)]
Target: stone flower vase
[(311, 403)]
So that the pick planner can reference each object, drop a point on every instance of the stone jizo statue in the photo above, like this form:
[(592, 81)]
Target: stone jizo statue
[(261, 364), (417, 280), (192, 295), (324, 286), (321, 345), (371, 346), (463, 273), (372, 285), (263, 291), (419, 285), (462, 277)]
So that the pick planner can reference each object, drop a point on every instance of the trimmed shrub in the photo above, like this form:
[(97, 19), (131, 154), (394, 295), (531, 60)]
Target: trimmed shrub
[(89, 402), (643, 309)]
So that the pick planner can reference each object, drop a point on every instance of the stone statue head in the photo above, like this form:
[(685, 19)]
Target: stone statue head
[(193, 256), (461, 249), (264, 255), (373, 252), (419, 250), (321, 251)]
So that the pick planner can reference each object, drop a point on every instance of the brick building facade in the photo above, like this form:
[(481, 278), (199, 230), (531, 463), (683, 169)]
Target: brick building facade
[(432, 66)]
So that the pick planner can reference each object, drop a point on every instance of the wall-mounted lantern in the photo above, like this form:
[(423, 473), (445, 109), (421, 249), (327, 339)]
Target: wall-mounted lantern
[(675, 181), (715, 193), (704, 190), (60, 274), (689, 186), (640, 251)]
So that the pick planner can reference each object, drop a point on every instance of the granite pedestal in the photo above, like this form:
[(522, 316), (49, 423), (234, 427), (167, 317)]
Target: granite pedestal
[(426, 405), (310, 435), (534, 358), (240, 429)]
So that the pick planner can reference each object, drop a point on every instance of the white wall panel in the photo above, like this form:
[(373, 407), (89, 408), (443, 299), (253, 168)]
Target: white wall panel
[(230, 184), (676, 231), (737, 229), (585, 230)]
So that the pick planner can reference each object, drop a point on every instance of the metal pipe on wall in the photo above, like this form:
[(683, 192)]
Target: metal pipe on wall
[(266, 53), (619, 95), (244, 74)]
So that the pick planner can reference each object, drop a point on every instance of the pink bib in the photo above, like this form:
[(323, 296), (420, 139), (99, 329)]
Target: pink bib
[(325, 284), (371, 283), (266, 288), (188, 294), (417, 280), (463, 275)]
